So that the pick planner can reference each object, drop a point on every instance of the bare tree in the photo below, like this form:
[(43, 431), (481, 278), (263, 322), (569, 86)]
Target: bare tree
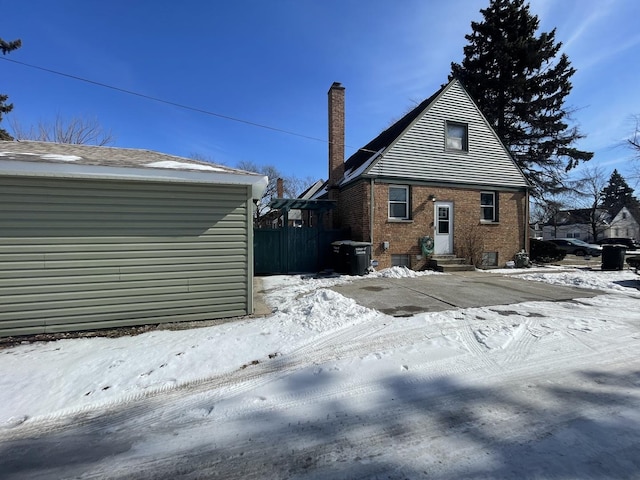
[(634, 145), (634, 141), (204, 158), (590, 188), (76, 130), (545, 209)]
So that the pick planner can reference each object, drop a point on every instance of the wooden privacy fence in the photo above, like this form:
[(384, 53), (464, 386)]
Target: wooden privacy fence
[(293, 249)]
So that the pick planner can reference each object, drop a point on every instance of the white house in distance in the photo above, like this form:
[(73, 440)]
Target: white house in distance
[(576, 224)]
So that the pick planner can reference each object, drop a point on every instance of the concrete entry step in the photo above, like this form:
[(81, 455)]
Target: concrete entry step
[(449, 263)]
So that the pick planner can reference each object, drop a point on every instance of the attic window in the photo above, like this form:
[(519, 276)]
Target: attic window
[(457, 136)]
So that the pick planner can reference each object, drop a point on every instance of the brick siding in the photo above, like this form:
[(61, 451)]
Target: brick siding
[(504, 237)]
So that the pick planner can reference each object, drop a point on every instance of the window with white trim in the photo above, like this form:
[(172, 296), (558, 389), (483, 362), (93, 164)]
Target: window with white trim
[(457, 136), (488, 206), (399, 202)]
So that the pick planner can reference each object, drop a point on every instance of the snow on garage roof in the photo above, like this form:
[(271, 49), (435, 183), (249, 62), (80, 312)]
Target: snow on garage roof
[(88, 161)]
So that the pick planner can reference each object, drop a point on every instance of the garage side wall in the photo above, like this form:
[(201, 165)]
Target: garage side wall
[(86, 254)]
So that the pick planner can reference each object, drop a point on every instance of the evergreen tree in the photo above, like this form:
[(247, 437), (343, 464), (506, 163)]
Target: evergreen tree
[(618, 194), (520, 87), (6, 47)]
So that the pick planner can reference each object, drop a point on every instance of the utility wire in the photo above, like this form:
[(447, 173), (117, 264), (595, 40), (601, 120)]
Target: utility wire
[(167, 102)]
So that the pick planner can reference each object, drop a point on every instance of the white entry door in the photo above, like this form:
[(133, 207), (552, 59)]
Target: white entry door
[(443, 235)]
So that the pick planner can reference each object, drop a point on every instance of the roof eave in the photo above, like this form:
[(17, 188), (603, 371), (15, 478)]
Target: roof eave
[(257, 182)]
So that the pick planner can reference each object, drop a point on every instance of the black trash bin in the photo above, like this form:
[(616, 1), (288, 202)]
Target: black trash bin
[(337, 257), (350, 257), (613, 257)]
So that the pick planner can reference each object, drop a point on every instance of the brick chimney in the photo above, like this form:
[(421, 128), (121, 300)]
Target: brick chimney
[(336, 134), (279, 188)]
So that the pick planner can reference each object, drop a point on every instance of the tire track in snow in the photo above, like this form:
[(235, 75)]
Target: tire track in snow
[(522, 343), (479, 351), (398, 425), (352, 340)]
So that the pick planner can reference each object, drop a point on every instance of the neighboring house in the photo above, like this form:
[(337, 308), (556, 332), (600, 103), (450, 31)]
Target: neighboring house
[(97, 237), (299, 218), (625, 223), (535, 230), (439, 172), (577, 223), (274, 217)]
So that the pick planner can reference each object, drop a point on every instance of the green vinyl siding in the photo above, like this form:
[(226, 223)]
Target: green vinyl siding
[(81, 254)]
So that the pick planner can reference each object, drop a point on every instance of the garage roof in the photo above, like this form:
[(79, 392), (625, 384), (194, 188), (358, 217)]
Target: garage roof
[(88, 161)]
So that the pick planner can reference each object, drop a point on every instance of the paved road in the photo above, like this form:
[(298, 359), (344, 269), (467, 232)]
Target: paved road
[(401, 297)]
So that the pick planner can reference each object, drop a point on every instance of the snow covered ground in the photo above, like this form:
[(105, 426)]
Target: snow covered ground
[(326, 388)]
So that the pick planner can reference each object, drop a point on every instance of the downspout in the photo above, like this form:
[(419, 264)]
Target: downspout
[(371, 211), (525, 247), (250, 250)]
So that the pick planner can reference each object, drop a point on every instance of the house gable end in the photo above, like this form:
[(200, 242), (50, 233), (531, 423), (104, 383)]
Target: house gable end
[(419, 152)]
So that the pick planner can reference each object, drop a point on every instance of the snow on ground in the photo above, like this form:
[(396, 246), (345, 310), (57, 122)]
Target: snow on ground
[(402, 272), (329, 364)]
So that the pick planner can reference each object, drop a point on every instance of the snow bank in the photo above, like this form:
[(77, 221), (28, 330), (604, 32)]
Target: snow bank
[(402, 272), (616, 281)]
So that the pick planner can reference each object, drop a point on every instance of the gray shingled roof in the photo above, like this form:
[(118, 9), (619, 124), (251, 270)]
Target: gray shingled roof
[(388, 136), (57, 153)]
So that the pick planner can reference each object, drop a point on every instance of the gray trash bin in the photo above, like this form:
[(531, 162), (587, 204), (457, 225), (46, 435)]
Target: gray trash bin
[(350, 257), (613, 257)]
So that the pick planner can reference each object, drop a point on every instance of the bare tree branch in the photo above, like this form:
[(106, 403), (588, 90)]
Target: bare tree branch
[(634, 141), (75, 130)]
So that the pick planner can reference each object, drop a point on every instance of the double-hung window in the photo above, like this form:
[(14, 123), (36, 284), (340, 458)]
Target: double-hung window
[(488, 206), (457, 136), (398, 202)]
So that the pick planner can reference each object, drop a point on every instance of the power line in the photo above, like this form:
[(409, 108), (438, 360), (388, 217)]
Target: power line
[(167, 102)]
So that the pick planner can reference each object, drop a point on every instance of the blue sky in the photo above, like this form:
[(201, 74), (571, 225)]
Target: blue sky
[(272, 63)]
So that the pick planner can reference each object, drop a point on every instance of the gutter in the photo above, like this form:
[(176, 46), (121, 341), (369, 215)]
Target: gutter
[(257, 182)]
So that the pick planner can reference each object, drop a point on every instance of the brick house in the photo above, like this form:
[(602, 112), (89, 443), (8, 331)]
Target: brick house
[(437, 183)]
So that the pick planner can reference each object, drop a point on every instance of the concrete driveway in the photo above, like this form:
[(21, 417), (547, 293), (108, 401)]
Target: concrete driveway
[(401, 297)]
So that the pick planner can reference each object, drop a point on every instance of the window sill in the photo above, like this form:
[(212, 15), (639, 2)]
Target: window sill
[(399, 220), (456, 150), (489, 222)]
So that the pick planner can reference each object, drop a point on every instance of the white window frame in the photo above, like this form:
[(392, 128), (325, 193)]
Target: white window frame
[(493, 206), (450, 142), (398, 202)]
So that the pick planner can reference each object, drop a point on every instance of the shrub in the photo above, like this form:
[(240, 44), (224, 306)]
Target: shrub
[(470, 244), (545, 252)]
